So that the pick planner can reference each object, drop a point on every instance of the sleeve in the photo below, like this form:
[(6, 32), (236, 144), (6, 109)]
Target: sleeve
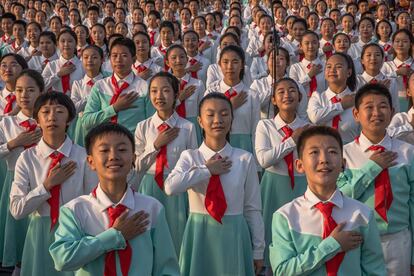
[(295, 72), (247, 79), (50, 76), (255, 70), (287, 259), (411, 206), (394, 95), (318, 113), (24, 200), (354, 182), (94, 114), (303, 104), (211, 76), (252, 210), (185, 175), (4, 150), (192, 141), (372, 259), (399, 127), (165, 259), (76, 97), (388, 71), (144, 150), (73, 249), (255, 114), (267, 154), (90, 179)]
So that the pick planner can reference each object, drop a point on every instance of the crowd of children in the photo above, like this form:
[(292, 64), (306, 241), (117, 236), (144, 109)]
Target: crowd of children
[(207, 137)]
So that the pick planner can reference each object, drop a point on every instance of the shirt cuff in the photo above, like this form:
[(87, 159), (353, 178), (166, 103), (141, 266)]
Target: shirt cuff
[(372, 168), (258, 254), (111, 239), (109, 111), (40, 191), (329, 246), (290, 142)]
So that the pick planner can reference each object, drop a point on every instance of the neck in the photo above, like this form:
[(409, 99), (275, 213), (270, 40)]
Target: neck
[(374, 138), (123, 75), (92, 73), (372, 73), (165, 114), (54, 140), (178, 72), (47, 55), (402, 56), (142, 57), (232, 82), (27, 112), (337, 87), (66, 56), (310, 57), (365, 39), (323, 192), (10, 86), (287, 116), (192, 53), (215, 144), (115, 189)]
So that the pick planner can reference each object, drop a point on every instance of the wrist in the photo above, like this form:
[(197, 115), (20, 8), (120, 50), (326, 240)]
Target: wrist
[(11, 145)]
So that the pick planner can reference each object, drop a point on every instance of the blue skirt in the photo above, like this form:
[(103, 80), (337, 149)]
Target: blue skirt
[(242, 141), (197, 129)]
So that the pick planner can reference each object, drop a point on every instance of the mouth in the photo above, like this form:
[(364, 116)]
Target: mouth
[(324, 170), (53, 126), (114, 166)]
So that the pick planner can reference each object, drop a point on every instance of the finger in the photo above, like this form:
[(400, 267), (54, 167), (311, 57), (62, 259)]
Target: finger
[(339, 227), (139, 216), (123, 215)]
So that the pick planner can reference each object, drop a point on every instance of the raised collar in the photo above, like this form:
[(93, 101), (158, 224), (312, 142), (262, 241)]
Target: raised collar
[(364, 143), (238, 87), (172, 121), (330, 94), (45, 150), (280, 123), (311, 199), (104, 202), (129, 79), (208, 153)]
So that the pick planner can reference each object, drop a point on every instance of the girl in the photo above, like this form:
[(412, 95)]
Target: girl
[(275, 148), (177, 32), (327, 32), (211, 27), (402, 65), (366, 28), (92, 58), (265, 25), (308, 71), (10, 67), (74, 18), (191, 90), (87, 219), (109, 24), (55, 25), (348, 27), (402, 124), (32, 33), (258, 69), (341, 43), (244, 101), (82, 34), (298, 29), (205, 43), (47, 47), (98, 37), (224, 231), (145, 67), (122, 28), (185, 19), (47, 176), (17, 133), (403, 21), (159, 140), (313, 22), (197, 64), (263, 86), (333, 107), (60, 74), (383, 31)]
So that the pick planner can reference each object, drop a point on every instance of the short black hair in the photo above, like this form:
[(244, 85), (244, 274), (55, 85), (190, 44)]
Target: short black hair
[(167, 24), (19, 59), (35, 75), (170, 78), (126, 42), (105, 129), (54, 97), (8, 15), (239, 51), (317, 131), (372, 89)]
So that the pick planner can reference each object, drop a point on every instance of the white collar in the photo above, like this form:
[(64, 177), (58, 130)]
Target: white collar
[(364, 143), (311, 199), (104, 202), (45, 150)]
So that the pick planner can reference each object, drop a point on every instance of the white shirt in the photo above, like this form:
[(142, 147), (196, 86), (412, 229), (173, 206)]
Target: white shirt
[(356, 49), (270, 150), (3, 101), (52, 68), (14, 48), (299, 72), (38, 62), (240, 185), (202, 73), (9, 130), (29, 195), (258, 69), (207, 53), (147, 132), (149, 63), (192, 102), (214, 74), (158, 55), (390, 68), (321, 111), (81, 91), (26, 52), (401, 128)]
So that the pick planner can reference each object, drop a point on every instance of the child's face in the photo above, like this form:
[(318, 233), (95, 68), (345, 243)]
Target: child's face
[(403, 21), (199, 26), (401, 44), (309, 45), (162, 95), (210, 22), (265, 25), (227, 41), (46, 45), (215, 119), (142, 44), (347, 23), (93, 16), (374, 114), (152, 21), (321, 161), (231, 65), (111, 157), (366, 29), (336, 70), (313, 22), (167, 36), (177, 59), (342, 44), (121, 60), (98, 35), (67, 45), (18, 32), (137, 16), (281, 63), (9, 69), (27, 92), (33, 33), (382, 12), (91, 59), (185, 16), (121, 29), (53, 118), (297, 31), (110, 28), (327, 29), (286, 97), (372, 59), (190, 42), (384, 30)]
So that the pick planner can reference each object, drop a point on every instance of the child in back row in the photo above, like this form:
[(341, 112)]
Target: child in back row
[(324, 232), (113, 230)]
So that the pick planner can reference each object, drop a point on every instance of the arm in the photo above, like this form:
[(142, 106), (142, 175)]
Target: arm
[(296, 74), (399, 127), (252, 210), (319, 113), (286, 259), (76, 97), (145, 151), (4, 149), (73, 249), (50, 76)]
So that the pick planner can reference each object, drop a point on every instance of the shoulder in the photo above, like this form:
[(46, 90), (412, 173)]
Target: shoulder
[(354, 206), (351, 146), (214, 86), (81, 203), (242, 155), (291, 209)]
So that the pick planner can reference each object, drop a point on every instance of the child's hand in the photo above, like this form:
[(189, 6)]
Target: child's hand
[(204, 46), (66, 70), (186, 93), (195, 67), (297, 132), (239, 100), (125, 101), (218, 166), (165, 137), (25, 139), (315, 69), (132, 226), (348, 101), (59, 174), (384, 159), (258, 265), (146, 74), (35, 52), (347, 239), (354, 39), (327, 48), (404, 71)]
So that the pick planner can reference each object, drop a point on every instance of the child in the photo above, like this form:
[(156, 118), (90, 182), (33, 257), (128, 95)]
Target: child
[(46, 176), (224, 231), (159, 140), (98, 37), (60, 74), (47, 47), (324, 232), (383, 32), (333, 107), (366, 28), (401, 126), (390, 190), (308, 71), (299, 27), (6, 21), (33, 31), (191, 90), (19, 32), (244, 101), (144, 67), (275, 149), (92, 58), (166, 38), (327, 32), (121, 97), (401, 67), (197, 64), (153, 30), (113, 219), (82, 34), (10, 67), (348, 27), (17, 133), (205, 43)]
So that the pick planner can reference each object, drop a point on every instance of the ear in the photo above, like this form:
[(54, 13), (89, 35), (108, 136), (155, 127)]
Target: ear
[(355, 113), (199, 122), (299, 166), (343, 164), (91, 163), (349, 72)]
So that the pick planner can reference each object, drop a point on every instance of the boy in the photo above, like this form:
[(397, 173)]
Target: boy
[(390, 192), (112, 220), (324, 232), (121, 97), (6, 23), (166, 40), (19, 33)]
